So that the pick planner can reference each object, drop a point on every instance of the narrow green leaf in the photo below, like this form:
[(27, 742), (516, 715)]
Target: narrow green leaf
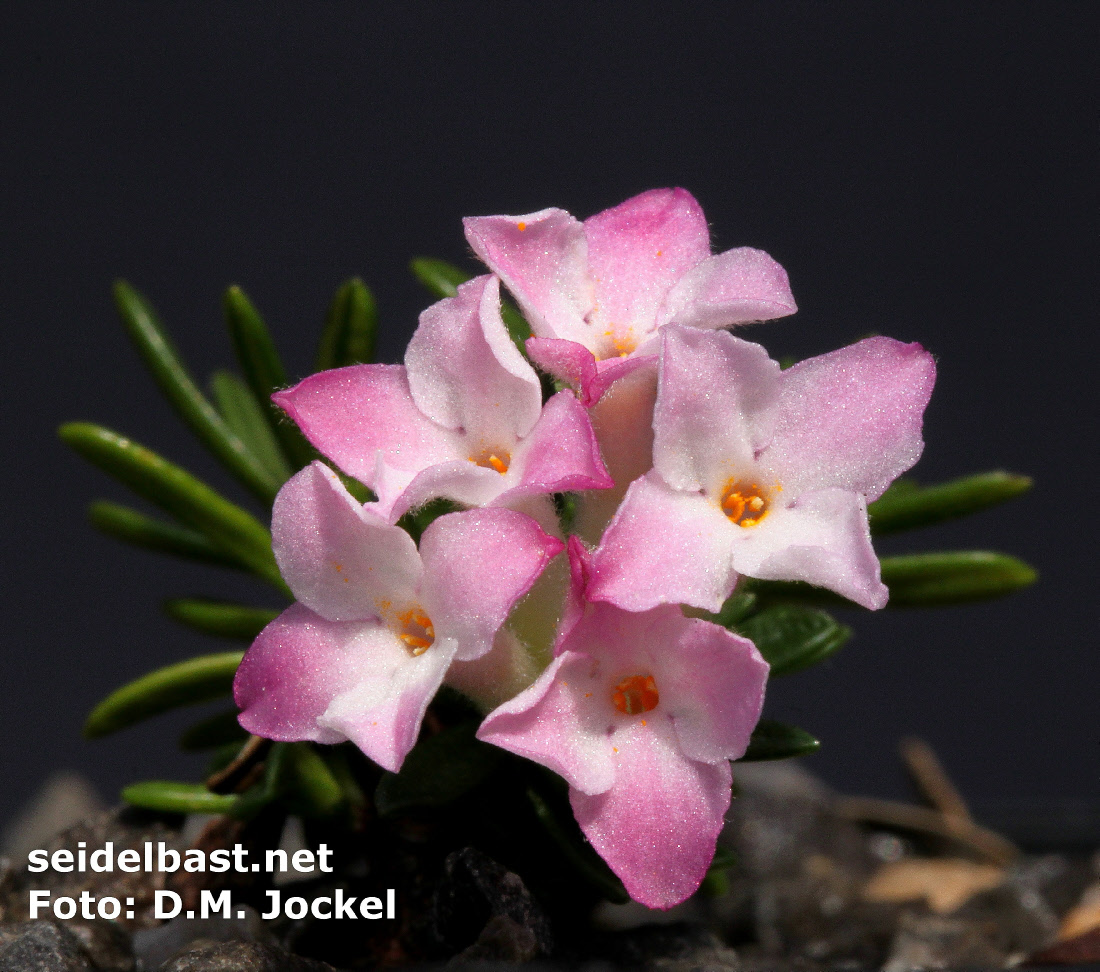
[(190, 404), (440, 277), (578, 853), (310, 788), (953, 577), (353, 796), (271, 787), (232, 529), (792, 638), (170, 796), (439, 770), (415, 522), (221, 729), (351, 328), (920, 506), (516, 323), (185, 683), (130, 526), (775, 740), (249, 421), (735, 607), (263, 371), (220, 618)]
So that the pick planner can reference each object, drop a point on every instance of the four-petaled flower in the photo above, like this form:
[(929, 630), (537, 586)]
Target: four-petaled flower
[(764, 472), (595, 293), (640, 712), (377, 623), (463, 419)]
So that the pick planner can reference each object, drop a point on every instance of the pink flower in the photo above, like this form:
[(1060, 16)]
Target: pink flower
[(640, 713), (378, 622), (764, 472), (463, 419), (596, 292)]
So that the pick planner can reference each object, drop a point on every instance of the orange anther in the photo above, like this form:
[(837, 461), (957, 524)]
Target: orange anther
[(417, 632), (744, 503), (521, 226), (635, 694)]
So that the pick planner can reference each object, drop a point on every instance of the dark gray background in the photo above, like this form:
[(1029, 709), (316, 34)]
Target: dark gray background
[(922, 170)]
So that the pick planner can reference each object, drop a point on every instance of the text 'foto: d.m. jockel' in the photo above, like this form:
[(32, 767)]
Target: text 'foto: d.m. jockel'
[(667, 461)]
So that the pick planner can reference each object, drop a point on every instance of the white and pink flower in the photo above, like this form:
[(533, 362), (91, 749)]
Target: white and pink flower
[(596, 293), (378, 622)]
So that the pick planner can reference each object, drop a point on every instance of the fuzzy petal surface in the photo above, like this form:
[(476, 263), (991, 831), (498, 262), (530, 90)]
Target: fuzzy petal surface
[(852, 418), (577, 366), (638, 250), (822, 538), (658, 825), (339, 559), (363, 416), (543, 260), (556, 724), (734, 287), (664, 546), (715, 409), (465, 372), (477, 565), (561, 453)]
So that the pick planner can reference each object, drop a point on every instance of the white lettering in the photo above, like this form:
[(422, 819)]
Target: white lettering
[(208, 904), (159, 900), (39, 899)]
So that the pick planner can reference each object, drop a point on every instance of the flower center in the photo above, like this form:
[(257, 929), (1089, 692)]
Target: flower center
[(416, 631), (490, 458), (635, 695), (745, 504)]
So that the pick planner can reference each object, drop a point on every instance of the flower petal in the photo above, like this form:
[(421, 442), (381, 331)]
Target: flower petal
[(664, 546), (577, 366), (386, 695), (712, 684), (554, 723), (542, 259), (734, 287), (638, 250), (466, 601), (852, 418), (339, 559), (715, 407), (658, 825), (365, 413), (561, 453), (466, 373), (821, 538), (294, 669)]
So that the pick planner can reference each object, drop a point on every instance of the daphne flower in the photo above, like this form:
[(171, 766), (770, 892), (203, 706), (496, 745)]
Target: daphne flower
[(463, 419), (595, 293), (378, 622), (764, 472), (640, 713)]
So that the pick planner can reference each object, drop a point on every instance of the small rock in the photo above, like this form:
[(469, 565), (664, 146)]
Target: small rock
[(668, 948), (474, 890), (41, 946), (1081, 950), (107, 944), (501, 940), (154, 946), (936, 942), (241, 957)]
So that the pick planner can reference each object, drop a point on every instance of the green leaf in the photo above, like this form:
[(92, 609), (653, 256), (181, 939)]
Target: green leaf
[(128, 525), (351, 328), (185, 683), (775, 740), (170, 796), (221, 729), (263, 371), (791, 637), (190, 404), (439, 770), (516, 323), (220, 618), (440, 277), (580, 854), (919, 506), (415, 522), (249, 420), (735, 607), (234, 530), (953, 577), (309, 786)]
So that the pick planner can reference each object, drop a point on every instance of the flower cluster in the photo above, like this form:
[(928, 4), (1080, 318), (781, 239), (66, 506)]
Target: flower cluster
[(691, 460)]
